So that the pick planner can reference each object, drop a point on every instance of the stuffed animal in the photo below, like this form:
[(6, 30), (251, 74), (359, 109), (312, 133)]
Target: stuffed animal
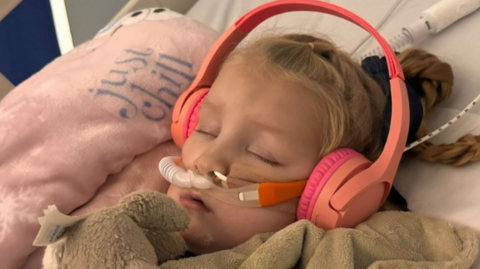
[(140, 232), (115, 95)]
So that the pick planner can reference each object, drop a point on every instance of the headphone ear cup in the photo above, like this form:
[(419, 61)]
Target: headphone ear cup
[(188, 118), (319, 178)]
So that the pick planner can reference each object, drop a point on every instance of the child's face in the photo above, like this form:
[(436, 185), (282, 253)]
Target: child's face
[(267, 125)]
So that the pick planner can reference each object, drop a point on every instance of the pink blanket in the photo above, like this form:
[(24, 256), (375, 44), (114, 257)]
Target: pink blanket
[(86, 116)]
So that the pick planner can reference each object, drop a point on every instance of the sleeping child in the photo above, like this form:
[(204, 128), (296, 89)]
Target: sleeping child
[(279, 105)]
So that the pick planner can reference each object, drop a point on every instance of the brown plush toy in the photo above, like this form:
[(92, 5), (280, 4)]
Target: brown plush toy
[(140, 232)]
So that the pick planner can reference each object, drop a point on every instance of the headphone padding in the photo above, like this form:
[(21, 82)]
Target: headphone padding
[(183, 127), (319, 177), (193, 117)]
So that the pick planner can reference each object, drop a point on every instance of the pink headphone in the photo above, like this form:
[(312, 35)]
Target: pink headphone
[(345, 188)]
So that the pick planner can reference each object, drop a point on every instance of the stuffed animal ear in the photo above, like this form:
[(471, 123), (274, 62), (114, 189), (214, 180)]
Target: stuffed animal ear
[(154, 210)]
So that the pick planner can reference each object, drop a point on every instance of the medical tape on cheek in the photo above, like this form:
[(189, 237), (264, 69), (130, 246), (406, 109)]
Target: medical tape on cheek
[(267, 193), (272, 193), (241, 175)]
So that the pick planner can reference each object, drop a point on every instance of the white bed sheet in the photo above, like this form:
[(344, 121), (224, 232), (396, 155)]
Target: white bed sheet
[(435, 190)]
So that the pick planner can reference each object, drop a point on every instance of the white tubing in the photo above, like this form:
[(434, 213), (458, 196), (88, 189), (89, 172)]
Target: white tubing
[(180, 177), (446, 12), (396, 43), (414, 32), (431, 21)]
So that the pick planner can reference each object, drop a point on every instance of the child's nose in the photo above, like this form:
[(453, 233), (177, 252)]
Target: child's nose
[(214, 159)]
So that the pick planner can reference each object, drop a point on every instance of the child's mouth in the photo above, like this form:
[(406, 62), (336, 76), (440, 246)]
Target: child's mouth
[(193, 201)]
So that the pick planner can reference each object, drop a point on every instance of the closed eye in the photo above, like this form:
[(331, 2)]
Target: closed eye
[(204, 133), (265, 160), (259, 157)]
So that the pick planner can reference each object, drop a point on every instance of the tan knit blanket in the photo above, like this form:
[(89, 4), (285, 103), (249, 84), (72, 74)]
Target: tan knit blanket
[(390, 239)]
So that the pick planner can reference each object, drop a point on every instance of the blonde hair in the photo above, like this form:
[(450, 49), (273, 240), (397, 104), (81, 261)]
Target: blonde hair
[(350, 103), (436, 78)]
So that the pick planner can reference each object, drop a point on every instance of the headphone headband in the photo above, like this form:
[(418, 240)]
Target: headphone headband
[(385, 167), (256, 16)]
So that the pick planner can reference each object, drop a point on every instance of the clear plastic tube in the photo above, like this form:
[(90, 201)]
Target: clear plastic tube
[(181, 177), (382, 21), (244, 196)]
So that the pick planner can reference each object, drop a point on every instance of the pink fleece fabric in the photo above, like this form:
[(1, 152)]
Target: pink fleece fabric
[(86, 116)]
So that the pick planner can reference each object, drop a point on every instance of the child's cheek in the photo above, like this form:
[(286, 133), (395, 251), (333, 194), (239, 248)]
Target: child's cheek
[(171, 192), (288, 207)]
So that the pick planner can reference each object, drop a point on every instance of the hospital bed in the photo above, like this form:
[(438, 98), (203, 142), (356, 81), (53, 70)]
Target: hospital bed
[(435, 190)]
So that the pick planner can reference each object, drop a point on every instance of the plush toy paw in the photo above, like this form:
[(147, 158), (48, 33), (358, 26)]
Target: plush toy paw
[(153, 210), (140, 232)]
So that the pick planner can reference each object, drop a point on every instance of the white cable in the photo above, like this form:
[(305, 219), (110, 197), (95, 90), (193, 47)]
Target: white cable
[(378, 26), (445, 126)]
